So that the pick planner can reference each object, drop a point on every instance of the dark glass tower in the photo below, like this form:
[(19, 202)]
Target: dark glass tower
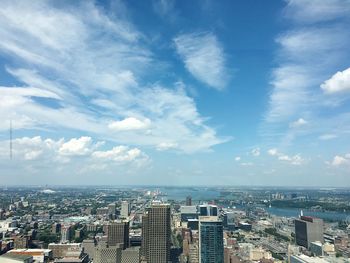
[(211, 246)]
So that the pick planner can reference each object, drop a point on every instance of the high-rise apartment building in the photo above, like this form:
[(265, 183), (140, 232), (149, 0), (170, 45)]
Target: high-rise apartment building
[(156, 236), (308, 229), (118, 233), (211, 245)]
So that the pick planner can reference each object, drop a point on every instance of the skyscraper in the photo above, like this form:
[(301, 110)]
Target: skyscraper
[(111, 209), (65, 233), (144, 245), (107, 254), (208, 210), (211, 246), (308, 229), (188, 200), (125, 209), (118, 233), (156, 234)]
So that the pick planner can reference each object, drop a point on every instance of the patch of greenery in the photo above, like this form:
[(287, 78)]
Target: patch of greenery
[(273, 232)]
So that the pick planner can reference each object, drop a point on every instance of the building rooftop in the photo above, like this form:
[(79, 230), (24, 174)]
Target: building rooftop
[(307, 259), (208, 219), (31, 250), (16, 256)]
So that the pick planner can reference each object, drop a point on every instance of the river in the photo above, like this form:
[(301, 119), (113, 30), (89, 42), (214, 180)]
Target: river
[(206, 194)]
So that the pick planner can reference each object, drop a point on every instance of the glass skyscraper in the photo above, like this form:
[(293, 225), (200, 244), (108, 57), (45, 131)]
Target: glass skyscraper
[(211, 246)]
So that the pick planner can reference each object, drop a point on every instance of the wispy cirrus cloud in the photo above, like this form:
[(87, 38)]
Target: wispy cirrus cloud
[(80, 69), (165, 8), (327, 137), (204, 58), (296, 80), (313, 11)]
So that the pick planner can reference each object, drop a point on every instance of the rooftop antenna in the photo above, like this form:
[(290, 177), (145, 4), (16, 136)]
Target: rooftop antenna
[(11, 139)]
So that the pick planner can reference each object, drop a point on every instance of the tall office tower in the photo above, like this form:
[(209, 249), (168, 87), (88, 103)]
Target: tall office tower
[(211, 245), (188, 200), (118, 233), (65, 234), (308, 229), (208, 210), (56, 228), (144, 245), (111, 209), (125, 209), (156, 234)]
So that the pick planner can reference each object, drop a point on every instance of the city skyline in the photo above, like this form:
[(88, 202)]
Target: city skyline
[(175, 93)]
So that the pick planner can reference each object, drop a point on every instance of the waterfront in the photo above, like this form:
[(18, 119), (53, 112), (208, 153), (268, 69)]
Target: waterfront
[(295, 212), (208, 194)]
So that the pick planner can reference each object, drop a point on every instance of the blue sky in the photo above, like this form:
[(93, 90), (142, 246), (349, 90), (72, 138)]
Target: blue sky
[(175, 92)]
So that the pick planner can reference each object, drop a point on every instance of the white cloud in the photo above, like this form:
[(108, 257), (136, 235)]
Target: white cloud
[(120, 154), (130, 123), (339, 82), (294, 160), (247, 164), (296, 80), (204, 58), (255, 152), (312, 11), (30, 149), (89, 81), (26, 92), (272, 152), (76, 146), (238, 158), (166, 146), (327, 137), (298, 123), (341, 160), (37, 152)]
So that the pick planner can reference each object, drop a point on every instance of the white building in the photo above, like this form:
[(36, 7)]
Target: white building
[(125, 209)]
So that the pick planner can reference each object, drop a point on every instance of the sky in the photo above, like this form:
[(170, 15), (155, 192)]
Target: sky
[(165, 92)]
